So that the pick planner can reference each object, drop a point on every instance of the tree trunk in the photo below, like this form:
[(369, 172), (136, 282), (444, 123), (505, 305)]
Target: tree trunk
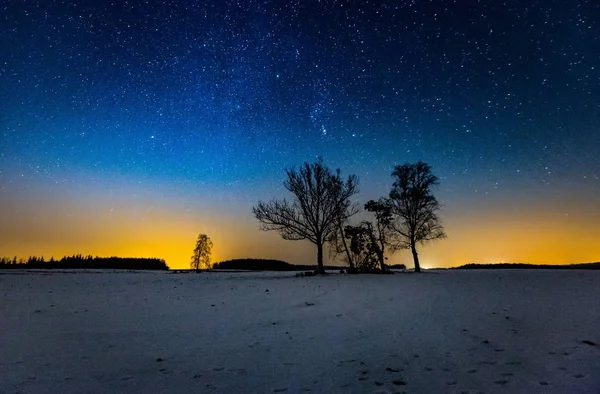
[(381, 261), (415, 257), (346, 249), (320, 268)]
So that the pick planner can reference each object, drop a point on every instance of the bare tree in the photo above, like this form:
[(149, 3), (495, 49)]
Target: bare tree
[(380, 232), (338, 241), (362, 248), (368, 241), (414, 208), (202, 253), (319, 195)]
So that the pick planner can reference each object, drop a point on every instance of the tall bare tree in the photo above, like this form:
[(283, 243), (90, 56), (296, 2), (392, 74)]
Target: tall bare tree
[(414, 208), (319, 197), (202, 253)]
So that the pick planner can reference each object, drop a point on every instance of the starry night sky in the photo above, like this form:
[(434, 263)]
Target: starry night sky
[(128, 127)]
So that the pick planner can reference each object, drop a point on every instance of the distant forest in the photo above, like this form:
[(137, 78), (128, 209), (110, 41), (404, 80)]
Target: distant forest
[(264, 265), (85, 262), (585, 266)]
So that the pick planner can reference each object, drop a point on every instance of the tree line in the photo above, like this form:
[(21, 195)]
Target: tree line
[(582, 266), (320, 211), (263, 265), (84, 262)]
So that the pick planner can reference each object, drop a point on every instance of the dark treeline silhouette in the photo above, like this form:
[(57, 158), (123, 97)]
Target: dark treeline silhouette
[(584, 266), (253, 264), (264, 265), (85, 262)]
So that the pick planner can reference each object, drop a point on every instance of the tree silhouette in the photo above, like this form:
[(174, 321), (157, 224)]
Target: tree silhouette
[(380, 233), (338, 240), (202, 253), (362, 247), (414, 208), (319, 197), (78, 261)]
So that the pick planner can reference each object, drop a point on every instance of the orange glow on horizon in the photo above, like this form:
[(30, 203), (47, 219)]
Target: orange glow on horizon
[(529, 233)]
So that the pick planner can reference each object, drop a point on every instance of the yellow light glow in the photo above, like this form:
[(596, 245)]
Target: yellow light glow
[(127, 226)]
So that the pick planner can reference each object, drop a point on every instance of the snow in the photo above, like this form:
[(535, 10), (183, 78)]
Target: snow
[(491, 331)]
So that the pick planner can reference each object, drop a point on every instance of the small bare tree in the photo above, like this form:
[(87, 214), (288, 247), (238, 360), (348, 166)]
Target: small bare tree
[(338, 240), (414, 208), (380, 233), (319, 195), (362, 247), (202, 253)]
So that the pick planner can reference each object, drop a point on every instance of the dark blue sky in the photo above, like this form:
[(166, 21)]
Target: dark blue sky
[(497, 96)]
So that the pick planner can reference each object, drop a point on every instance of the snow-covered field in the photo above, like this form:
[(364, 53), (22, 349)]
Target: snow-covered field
[(441, 331)]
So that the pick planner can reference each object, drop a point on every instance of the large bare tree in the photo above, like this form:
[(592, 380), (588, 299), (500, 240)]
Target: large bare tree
[(319, 198), (414, 208)]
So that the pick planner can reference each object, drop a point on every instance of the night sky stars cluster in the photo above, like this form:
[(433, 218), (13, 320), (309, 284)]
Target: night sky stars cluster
[(498, 96)]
